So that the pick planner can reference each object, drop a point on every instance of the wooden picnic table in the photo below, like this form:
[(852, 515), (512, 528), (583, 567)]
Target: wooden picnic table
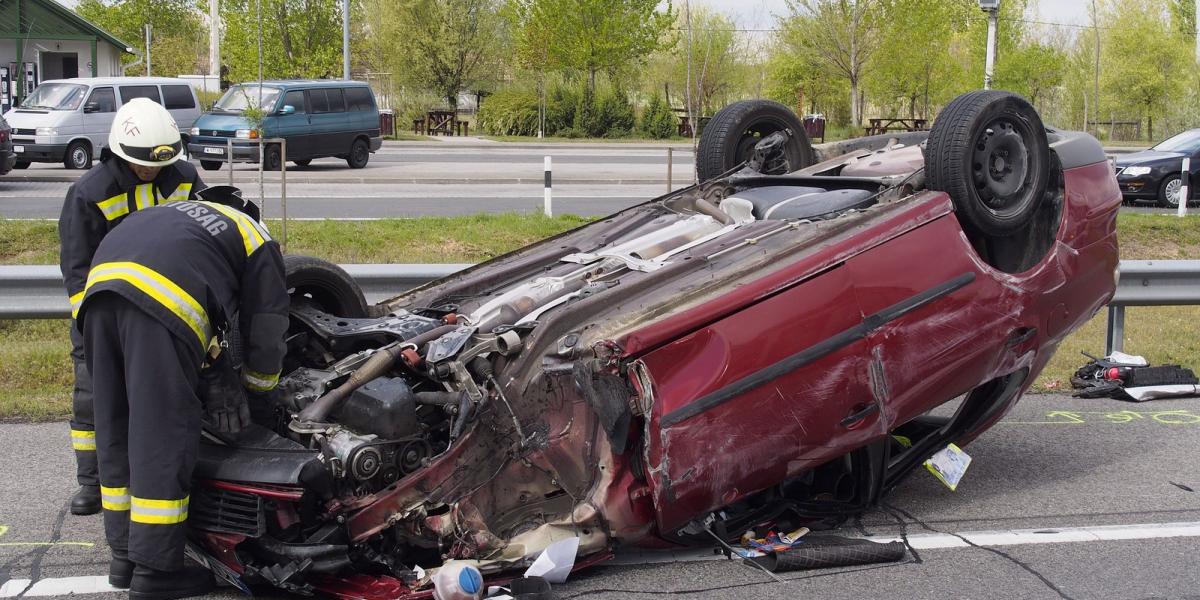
[(685, 124), (440, 121), (885, 124)]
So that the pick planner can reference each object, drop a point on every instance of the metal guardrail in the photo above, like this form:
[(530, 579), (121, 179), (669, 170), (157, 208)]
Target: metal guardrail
[(36, 292), (1150, 283)]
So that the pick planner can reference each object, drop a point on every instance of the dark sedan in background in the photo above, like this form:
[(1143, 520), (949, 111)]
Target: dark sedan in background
[(7, 158), (1154, 175)]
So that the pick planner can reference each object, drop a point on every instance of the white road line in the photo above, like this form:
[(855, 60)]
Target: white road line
[(923, 541), (936, 541)]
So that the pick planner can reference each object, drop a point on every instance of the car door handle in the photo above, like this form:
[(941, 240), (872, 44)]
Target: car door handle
[(855, 417), (1020, 336)]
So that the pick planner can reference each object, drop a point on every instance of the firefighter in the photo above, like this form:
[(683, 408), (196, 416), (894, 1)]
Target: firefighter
[(157, 304), (139, 168)]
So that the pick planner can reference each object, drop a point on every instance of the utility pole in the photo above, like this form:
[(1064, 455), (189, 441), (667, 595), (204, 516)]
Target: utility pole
[(214, 44), (345, 39), (1096, 73), (991, 7), (147, 49)]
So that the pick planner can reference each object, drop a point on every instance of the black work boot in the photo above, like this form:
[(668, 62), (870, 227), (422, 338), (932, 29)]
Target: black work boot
[(86, 501), (149, 584), (120, 571)]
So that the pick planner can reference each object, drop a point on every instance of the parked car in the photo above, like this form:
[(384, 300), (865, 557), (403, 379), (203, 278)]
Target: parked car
[(317, 118), (783, 342), (7, 158), (1155, 175), (68, 120)]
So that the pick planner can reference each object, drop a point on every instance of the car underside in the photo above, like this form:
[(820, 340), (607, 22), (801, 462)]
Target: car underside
[(784, 341)]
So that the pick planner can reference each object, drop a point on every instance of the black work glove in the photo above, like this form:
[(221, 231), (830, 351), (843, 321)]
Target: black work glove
[(225, 406)]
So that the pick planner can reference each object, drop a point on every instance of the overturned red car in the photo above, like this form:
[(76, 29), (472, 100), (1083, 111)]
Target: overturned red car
[(768, 344)]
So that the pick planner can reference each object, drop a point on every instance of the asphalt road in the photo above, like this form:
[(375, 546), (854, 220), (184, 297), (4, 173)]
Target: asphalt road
[(1054, 465), (43, 200)]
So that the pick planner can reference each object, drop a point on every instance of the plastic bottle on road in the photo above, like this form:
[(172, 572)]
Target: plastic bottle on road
[(457, 581)]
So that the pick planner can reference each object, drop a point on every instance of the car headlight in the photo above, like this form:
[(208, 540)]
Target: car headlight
[(246, 134), (46, 131), (194, 131), (1135, 171)]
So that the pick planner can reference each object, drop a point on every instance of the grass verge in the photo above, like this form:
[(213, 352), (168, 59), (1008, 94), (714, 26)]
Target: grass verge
[(35, 368)]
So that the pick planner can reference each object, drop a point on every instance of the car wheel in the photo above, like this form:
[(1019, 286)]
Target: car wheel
[(304, 162), (22, 164), (326, 284), (1169, 192), (272, 159), (79, 156), (728, 140), (211, 165), (988, 151), (360, 153)]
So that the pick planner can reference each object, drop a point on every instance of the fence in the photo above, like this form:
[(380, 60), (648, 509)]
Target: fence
[(36, 291)]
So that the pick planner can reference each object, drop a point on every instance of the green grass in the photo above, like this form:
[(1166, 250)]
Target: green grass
[(404, 136), (35, 368)]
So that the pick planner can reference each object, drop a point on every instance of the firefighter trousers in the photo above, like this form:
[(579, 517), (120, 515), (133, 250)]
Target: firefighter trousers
[(147, 429), (83, 420)]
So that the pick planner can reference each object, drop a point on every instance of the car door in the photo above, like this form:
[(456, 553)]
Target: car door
[(98, 112), (766, 393), (323, 124), (295, 127), (941, 322)]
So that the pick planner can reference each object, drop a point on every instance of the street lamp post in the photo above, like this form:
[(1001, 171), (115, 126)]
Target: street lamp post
[(991, 7)]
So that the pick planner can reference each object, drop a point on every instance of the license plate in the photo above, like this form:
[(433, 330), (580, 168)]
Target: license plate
[(208, 150), (18, 148)]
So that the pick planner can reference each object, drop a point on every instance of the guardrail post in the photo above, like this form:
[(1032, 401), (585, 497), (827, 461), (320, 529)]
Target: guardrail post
[(1184, 180), (546, 191), (283, 190), (670, 163), (1115, 337), (229, 158)]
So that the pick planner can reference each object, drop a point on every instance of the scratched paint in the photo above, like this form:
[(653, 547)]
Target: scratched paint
[(1114, 417)]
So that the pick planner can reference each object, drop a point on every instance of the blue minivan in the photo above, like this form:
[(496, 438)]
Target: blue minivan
[(317, 118)]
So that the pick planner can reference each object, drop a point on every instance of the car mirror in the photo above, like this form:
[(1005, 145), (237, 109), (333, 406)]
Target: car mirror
[(287, 109), (91, 108)]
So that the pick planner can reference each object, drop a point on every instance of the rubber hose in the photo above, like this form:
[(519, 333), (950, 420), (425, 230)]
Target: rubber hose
[(823, 555), (376, 366), (703, 206)]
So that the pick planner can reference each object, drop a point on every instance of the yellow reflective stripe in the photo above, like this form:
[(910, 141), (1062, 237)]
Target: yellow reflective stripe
[(143, 195), (252, 237), (259, 382), (158, 512), (114, 498), (160, 288), (83, 440), (76, 300), (115, 207), (183, 192)]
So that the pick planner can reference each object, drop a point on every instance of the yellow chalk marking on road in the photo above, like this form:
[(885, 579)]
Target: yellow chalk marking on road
[(1074, 417), (4, 530)]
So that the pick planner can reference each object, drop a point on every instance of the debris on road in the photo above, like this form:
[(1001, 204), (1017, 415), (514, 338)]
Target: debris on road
[(831, 551), (1126, 377)]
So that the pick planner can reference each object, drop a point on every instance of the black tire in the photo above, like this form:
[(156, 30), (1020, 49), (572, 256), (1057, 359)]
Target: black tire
[(988, 150), (728, 140), (211, 165), (22, 164), (78, 156), (272, 158), (1167, 197), (304, 162), (360, 153), (327, 284)]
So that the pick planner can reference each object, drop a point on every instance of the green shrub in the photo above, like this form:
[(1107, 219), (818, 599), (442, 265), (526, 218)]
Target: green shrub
[(587, 115), (658, 122), (510, 112), (573, 133), (616, 114), (561, 103)]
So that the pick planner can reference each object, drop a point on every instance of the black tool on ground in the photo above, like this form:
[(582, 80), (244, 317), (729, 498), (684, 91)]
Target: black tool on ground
[(1111, 376), (530, 588), (830, 551)]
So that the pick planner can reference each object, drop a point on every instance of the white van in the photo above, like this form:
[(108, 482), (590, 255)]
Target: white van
[(67, 120)]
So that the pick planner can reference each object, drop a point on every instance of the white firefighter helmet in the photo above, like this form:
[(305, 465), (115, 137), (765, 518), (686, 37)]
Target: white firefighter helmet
[(144, 133)]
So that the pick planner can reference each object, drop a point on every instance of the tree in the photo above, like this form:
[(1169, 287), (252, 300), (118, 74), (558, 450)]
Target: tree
[(915, 60), (298, 39), (178, 35), (588, 36), (837, 37), (716, 59), (1145, 61), (442, 45)]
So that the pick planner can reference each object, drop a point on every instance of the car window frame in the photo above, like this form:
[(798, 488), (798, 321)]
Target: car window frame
[(112, 89), (154, 86), (190, 95), (300, 110)]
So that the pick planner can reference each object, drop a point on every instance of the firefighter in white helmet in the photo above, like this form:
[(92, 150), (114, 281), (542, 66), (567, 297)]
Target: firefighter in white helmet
[(140, 168)]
